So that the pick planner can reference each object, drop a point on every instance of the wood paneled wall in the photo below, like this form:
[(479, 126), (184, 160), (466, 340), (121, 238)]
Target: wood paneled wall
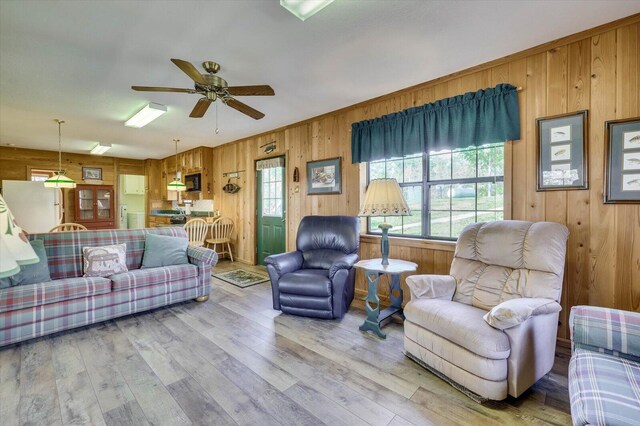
[(596, 70), (16, 164)]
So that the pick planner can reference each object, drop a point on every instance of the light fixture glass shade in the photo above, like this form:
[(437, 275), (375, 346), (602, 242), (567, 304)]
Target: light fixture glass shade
[(176, 185), (146, 115), (101, 148), (59, 181), (15, 249), (304, 9), (384, 198)]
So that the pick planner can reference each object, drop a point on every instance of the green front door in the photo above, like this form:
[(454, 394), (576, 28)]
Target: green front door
[(271, 212)]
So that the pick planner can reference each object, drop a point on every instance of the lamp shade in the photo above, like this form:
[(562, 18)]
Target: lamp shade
[(15, 249), (176, 185), (384, 198), (59, 181)]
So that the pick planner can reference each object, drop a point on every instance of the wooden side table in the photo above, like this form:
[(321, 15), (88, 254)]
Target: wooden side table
[(373, 269)]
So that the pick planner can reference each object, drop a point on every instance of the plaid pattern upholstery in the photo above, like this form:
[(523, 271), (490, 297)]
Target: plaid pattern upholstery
[(604, 330), (143, 277), (202, 255), (93, 301), (604, 372), (64, 249), (604, 390), (24, 296), (23, 324)]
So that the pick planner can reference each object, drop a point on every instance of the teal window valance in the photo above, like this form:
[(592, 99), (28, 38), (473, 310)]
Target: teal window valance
[(475, 118)]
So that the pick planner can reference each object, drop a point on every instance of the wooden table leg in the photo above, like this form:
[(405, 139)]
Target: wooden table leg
[(372, 305)]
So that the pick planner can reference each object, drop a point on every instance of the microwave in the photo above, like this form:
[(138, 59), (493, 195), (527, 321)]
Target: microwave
[(193, 182)]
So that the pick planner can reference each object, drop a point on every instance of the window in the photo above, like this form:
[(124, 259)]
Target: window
[(41, 175), (445, 190)]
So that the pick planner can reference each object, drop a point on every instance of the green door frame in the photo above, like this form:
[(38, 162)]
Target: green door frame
[(271, 228)]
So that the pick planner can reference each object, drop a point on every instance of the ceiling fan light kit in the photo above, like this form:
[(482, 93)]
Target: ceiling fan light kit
[(100, 148), (212, 87), (146, 115), (304, 9), (59, 180)]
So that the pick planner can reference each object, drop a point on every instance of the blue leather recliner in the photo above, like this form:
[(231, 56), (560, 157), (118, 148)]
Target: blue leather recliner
[(317, 280)]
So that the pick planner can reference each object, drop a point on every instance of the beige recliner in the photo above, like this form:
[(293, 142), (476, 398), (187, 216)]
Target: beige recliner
[(490, 326)]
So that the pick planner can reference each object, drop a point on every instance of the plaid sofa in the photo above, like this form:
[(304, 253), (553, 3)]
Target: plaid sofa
[(71, 300), (604, 371)]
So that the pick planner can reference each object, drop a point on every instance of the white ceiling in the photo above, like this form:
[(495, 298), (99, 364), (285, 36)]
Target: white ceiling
[(76, 60)]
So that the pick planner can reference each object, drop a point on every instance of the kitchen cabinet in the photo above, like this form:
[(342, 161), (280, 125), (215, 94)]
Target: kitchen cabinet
[(94, 206), (133, 185)]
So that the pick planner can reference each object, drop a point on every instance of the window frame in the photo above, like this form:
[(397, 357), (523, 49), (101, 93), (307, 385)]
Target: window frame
[(427, 183)]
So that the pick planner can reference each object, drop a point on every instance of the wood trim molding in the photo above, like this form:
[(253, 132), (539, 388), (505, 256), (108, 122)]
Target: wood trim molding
[(411, 242)]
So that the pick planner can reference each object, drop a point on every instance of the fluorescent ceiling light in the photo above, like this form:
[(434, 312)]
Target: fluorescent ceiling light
[(146, 115), (304, 9), (101, 148)]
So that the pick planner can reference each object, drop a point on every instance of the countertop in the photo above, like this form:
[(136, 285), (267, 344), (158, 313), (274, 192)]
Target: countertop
[(169, 213)]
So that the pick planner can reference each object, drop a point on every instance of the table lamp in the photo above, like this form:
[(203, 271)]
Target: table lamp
[(15, 249), (384, 198)]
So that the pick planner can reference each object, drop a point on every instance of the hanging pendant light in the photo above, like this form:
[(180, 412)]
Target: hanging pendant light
[(59, 180), (176, 184)]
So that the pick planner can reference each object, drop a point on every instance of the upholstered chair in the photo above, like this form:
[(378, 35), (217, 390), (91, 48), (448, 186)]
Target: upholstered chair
[(317, 280), (489, 327)]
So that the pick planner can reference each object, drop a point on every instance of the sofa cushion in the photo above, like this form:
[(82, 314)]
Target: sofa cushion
[(149, 276), (307, 282), (160, 250), (461, 324), (604, 389), (30, 274), (26, 296)]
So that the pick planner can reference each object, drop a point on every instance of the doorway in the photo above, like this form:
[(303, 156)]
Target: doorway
[(133, 201), (271, 208)]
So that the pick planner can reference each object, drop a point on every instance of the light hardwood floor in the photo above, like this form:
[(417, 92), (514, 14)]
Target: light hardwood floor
[(233, 360)]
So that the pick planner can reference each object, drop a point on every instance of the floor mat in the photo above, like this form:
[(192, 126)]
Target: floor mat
[(241, 277)]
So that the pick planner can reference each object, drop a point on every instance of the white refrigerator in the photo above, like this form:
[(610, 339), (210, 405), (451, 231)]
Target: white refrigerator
[(34, 207)]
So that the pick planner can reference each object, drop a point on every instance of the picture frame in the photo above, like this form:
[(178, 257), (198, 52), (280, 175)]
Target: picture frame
[(562, 151), (324, 176), (91, 173), (622, 161)]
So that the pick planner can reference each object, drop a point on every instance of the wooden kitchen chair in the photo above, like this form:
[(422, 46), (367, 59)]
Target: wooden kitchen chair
[(68, 227), (196, 231), (221, 231)]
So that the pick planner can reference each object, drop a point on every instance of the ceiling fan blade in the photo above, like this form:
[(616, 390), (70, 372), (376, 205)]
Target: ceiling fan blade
[(161, 89), (201, 107), (190, 70), (244, 108), (263, 90)]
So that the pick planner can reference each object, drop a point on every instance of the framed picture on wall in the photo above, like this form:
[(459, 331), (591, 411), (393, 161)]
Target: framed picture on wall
[(91, 173), (562, 151), (324, 176), (622, 164)]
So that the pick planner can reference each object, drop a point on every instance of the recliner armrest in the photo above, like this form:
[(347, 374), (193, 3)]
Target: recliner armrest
[(285, 262), (432, 286), (513, 312), (345, 262)]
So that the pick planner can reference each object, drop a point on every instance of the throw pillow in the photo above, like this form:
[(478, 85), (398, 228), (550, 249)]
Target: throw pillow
[(104, 261), (30, 274), (161, 250)]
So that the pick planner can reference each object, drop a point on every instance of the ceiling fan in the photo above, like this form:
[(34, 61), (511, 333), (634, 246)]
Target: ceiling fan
[(213, 87)]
